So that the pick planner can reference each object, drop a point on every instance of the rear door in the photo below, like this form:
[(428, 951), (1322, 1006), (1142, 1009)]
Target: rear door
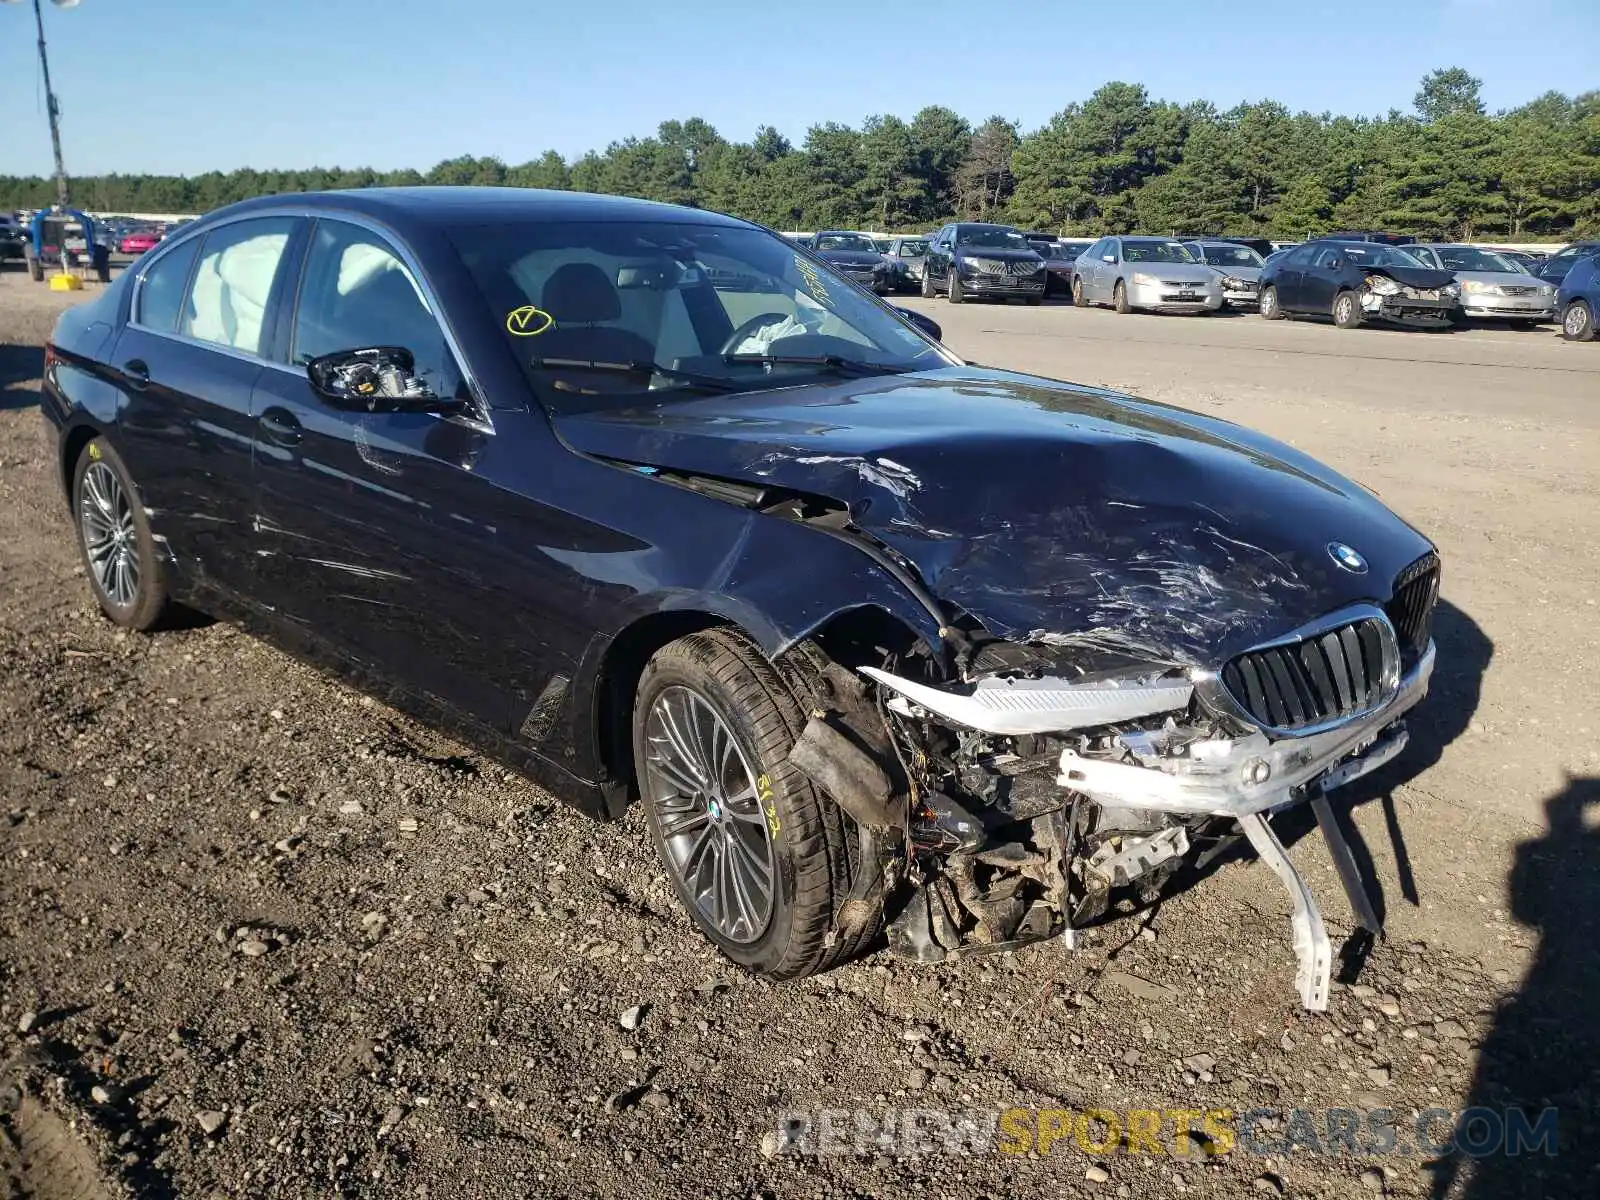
[(376, 541), (187, 362)]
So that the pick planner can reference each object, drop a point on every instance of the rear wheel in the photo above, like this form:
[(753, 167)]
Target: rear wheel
[(1346, 310), (1577, 323), (760, 859), (119, 554), (1119, 298), (1269, 304), (956, 294)]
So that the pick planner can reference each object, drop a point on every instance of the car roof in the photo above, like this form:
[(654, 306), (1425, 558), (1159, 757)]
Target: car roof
[(449, 206), (1147, 237)]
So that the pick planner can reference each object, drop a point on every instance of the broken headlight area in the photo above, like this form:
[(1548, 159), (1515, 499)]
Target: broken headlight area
[(1028, 799)]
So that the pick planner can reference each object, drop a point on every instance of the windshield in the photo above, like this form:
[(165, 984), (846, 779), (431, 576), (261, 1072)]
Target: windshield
[(1172, 252), (1376, 254), (915, 248), (591, 309), (1069, 250), (992, 237), (1470, 258), (1232, 256), (845, 241)]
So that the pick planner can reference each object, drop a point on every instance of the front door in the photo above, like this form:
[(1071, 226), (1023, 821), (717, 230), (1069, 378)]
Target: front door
[(1320, 282), (376, 541)]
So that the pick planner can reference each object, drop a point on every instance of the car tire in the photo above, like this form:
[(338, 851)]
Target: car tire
[(1577, 322), (1078, 298), (1269, 304), (807, 846), (119, 553), (956, 295), (35, 269), (1119, 298), (928, 291), (1346, 310)]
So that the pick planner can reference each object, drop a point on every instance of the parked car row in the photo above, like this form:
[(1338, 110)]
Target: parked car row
[(1354, 277)]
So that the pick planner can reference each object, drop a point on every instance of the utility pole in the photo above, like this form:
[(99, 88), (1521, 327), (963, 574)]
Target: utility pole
[(50, 99)]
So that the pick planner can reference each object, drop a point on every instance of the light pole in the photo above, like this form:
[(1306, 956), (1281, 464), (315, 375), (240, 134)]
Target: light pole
[(50, 97)]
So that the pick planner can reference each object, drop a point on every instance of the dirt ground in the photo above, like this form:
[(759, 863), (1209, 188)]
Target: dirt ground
[(260, 935)]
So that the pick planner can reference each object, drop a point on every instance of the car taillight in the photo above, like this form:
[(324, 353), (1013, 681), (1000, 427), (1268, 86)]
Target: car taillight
[(49, 357)]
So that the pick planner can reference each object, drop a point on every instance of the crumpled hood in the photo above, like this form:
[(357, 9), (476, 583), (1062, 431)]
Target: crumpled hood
[(1417, 277), (1050, 512), (1248, 274)]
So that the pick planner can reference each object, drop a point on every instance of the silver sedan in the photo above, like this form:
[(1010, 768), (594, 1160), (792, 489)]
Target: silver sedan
[(1154, 274), (1240, 267), (1492, 285)]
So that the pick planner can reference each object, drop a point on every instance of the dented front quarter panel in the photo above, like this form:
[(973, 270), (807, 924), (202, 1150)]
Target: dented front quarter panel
[(1051, 512)]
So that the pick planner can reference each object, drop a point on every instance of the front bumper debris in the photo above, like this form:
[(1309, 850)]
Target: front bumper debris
[(1407, 310), (1219, 778), (1220, 783)]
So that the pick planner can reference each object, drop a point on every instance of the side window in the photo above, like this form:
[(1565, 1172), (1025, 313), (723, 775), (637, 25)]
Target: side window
[(233, 282), (1300, 256), (1327, 256), (357, 293), (161, 292)]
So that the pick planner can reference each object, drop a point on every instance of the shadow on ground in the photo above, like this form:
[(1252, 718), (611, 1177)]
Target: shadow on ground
[(20, 368), (1543, 1051)]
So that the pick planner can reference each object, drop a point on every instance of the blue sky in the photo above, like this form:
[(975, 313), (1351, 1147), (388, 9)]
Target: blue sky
[(184, 86)]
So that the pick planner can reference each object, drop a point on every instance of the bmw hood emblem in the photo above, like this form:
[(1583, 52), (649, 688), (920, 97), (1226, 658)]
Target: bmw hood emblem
[(1347, 557)]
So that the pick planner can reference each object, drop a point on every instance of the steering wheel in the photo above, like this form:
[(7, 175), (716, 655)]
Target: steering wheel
[(746, 328)]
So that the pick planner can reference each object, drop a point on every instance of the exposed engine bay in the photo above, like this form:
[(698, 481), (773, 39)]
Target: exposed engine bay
[(1013, 806)]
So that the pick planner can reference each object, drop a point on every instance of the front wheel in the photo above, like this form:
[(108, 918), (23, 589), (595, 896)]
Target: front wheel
[(1346, 310), (927, 284), (1269, 304), (956, 294), (119, 553), (1078, 298), (1119, 298), (1577, 323), (759, 858)]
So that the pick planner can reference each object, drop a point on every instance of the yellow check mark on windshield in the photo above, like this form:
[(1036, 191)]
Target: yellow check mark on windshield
[(528, 321)]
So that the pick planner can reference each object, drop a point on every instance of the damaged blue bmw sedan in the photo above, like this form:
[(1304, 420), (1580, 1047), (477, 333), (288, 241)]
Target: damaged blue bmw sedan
[(656, 506)]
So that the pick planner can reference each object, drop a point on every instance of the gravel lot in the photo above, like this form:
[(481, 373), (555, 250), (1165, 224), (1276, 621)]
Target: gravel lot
[(260, 935)]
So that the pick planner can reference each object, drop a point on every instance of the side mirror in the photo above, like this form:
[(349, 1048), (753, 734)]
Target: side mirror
[(927, 324), (1335, 264), (375, 379), (1110, 258)]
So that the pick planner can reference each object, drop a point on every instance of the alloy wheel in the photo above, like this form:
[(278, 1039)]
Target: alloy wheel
[(704, 795), (105, 520), (1576, 321)]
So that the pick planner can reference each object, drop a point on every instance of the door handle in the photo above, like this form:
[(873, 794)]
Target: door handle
[(136, 374), (281, 426)]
